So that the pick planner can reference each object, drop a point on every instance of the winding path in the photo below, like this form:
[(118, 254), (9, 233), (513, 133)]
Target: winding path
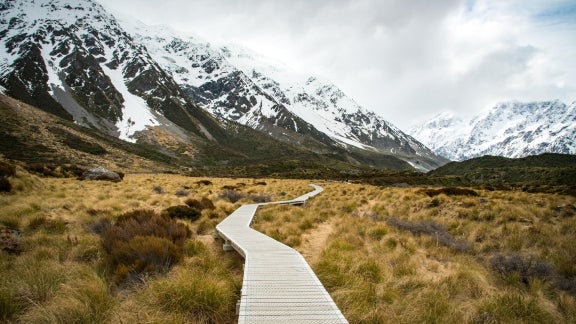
[(278, 286)]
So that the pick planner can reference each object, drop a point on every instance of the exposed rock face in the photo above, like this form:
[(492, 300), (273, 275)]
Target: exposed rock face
[(101, 173), (75, 60), (72, 59), (239, 85)]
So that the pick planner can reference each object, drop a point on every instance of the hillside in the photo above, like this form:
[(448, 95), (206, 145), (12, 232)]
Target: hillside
[(31, 135), (75, 60), (541, 170)]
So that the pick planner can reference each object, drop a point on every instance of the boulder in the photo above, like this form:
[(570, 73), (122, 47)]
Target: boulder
[(101, 173)]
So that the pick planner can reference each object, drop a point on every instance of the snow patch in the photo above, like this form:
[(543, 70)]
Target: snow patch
[(51, 69), (136, 114)]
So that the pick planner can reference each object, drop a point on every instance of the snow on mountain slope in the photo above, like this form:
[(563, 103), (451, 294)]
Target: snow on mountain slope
[(237, 84), (73, 59), (511, 129), (62, 29)]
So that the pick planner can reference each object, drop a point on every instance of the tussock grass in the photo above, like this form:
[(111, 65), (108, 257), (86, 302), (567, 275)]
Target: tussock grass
[(412, 269), (64, 274), (84, 301), (198, 296), (375, 271)]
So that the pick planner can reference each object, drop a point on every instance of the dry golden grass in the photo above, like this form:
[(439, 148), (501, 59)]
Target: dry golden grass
[(376, 271), (61, 275)]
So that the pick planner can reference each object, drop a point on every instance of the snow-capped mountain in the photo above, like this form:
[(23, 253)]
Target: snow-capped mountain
[(72, 58), (237, 84), (511, 129), (139, 83)]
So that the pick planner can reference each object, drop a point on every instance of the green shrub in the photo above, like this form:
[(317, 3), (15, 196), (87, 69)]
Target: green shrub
[(450, 191), (232, 195), (194, 247), (143, 242), (98, 227), (182, 193), (260, 198), (183, 212), (204, 182), (203, 203)]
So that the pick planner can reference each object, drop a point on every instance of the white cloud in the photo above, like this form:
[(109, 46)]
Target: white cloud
[(407, 60)]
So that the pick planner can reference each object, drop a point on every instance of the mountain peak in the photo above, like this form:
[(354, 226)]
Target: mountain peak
[(510, 129), (127, 79)]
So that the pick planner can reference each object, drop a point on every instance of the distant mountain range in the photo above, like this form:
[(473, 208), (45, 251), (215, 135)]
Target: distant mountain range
[(511, 129), (184, 96)]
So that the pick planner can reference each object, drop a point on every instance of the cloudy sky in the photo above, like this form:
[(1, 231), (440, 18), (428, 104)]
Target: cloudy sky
[(405, 59)]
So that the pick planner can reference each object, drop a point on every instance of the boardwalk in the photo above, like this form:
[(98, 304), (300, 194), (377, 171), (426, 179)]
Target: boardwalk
[(279, 286)]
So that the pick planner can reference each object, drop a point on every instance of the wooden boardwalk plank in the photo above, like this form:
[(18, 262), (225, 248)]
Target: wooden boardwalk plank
[(278, 286)]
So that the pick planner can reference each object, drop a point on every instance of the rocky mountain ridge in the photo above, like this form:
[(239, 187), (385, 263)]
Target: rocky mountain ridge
[(75, 60), (237, 84), (510, 129)]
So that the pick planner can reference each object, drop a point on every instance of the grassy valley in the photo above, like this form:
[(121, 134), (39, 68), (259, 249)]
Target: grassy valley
[(386, 254), (489, 240)]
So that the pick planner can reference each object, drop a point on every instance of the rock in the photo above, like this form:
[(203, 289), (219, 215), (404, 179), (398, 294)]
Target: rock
[(101, 173), (9, 240)]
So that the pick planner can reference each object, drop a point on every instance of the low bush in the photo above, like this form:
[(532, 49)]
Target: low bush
[(204, 182), (183, 212), (431, 228), (449, 191), (143, 242), (232, 195), (203, 203), (182, 193), (98, 227), (260, 198), (55, 171), (524, 266), (230, 188)]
